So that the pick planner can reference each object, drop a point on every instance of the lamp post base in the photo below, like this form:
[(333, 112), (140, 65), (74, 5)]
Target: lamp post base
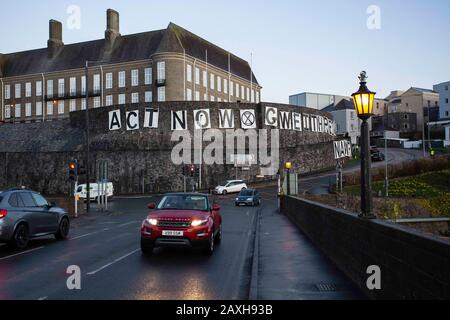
[(366, 216)]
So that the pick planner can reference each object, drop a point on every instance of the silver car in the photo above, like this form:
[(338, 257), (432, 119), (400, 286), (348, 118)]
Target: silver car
[(25, 214)]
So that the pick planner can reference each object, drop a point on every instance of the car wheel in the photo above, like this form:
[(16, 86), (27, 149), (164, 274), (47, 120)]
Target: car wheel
[(63, 229), (219, 235), (146, 249), (224, 192), (243, 189), (209, 248), (20, 237)]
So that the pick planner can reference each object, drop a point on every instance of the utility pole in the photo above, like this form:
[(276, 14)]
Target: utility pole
[(386, 179)]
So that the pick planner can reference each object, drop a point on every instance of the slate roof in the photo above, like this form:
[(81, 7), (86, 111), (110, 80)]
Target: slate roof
[(422, 90), (127, 48)]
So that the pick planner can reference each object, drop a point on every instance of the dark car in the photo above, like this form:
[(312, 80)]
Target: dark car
[(248, 197), (182, 220), (25, 214), (377, 155)]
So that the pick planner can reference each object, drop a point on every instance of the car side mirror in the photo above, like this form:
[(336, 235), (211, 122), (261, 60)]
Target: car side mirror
[(216, 207), (151, 206)]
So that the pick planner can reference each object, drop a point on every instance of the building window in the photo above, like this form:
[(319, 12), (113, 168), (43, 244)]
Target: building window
[(109, 80), (135, 97), (188, 94), (134, 78), (162, 94), (429, 103), (109, 101), (405, 126), (17, 111), (248, 94), (161, 73), (121, 99), (96, 83), (61, 107), (97, 102), (258, 97), (197, 95), (17, 93), (28, 89), (148, 96), (212, 98), (189, 73), (205, 97), (197, 76), (49, 108), (83, 85), (38, 108), (219, 99), (219, 84), (7, 111), (7, 91), (73, 86), (406, 117), (148, 76), (61, 88), (211, 81), (121, 79), (253, 95), (205, 79), (446, 88), (225, 86), (446, 100), (243, 93), (50, 89), (231, 88), (237, 90), (28, 109), (83, 104), (72, 105)]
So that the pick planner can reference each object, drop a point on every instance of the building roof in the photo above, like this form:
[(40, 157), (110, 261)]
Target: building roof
[(134, 47), (421, 90)]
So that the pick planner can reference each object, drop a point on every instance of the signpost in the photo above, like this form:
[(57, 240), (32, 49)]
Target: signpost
[(102, 184)]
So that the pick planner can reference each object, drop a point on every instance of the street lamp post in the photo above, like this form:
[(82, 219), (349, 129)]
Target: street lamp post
[(363, 101), (288, 166), (88, 189)]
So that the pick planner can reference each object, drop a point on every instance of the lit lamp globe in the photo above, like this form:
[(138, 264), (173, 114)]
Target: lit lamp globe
[(363, 98)]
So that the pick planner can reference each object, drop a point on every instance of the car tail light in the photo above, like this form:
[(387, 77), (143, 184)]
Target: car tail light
[(3, 213)]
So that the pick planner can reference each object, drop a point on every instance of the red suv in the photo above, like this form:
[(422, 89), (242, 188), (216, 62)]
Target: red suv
[(182, 220)]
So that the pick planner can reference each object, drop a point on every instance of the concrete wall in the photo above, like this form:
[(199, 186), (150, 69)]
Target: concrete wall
[(36, 155), (413, 265)]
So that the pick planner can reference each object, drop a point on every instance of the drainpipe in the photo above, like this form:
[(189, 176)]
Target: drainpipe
[(184, 74), (44, 107), (3, 99), (101, 86), (193, 79)]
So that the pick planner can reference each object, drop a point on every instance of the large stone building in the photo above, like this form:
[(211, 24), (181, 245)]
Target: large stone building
[(443, 89), (164, 65)]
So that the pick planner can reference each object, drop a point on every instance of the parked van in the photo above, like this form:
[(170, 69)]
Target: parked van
[(95, 191)]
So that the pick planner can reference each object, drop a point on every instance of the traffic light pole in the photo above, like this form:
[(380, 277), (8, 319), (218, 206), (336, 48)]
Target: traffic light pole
[(88, 189)]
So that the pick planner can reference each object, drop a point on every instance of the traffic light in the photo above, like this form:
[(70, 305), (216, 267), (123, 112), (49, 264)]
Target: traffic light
[(192, 170), (73, 171), (197, 171)]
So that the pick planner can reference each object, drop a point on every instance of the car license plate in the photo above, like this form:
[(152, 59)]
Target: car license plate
[(170, 233)]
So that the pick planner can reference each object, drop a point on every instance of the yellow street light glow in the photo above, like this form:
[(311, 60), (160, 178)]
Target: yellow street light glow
[(364, 98), (288, 165)]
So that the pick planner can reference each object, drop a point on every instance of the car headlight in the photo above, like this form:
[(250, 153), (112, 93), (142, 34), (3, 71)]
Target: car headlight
[(196, 223), (249, 199), (153, 222), (237, 199)]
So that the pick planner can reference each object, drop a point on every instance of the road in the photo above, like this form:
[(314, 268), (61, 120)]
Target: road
[(319, 183), (262, 256)]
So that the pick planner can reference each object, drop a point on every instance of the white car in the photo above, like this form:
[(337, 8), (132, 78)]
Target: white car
[(81, 191), (230, 186)]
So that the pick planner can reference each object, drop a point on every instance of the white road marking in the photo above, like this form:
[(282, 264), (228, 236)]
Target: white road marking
[(20, 253), (125, 224), (88, 234), (111, 263), (43, 298)]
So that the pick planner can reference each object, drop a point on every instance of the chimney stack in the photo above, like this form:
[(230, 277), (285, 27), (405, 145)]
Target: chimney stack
[(112, 28), (55, 37)]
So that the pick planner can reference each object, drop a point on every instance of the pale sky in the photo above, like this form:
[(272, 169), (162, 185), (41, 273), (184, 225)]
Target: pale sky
[(297, 46)]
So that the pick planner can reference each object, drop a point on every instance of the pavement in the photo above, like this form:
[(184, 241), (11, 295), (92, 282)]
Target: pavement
[(262, 256)]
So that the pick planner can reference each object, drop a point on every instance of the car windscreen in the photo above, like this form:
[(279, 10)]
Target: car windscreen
[(184, 202), (223, 184), (80, 189), (246, 193)]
